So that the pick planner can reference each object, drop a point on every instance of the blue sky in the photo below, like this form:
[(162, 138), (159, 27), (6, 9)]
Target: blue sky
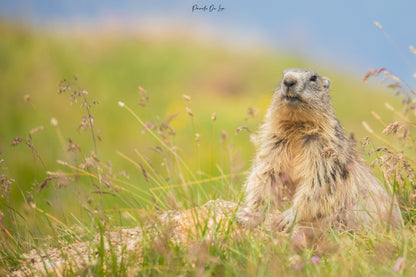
[(340, 33)]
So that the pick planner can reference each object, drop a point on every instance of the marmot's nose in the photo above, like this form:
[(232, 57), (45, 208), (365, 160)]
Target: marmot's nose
[(289, 81)]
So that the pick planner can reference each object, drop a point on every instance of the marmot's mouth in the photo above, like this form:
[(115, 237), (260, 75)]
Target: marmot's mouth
[(291, 98)]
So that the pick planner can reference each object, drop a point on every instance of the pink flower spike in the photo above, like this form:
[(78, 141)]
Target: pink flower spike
[(315, 259), (399, 265)]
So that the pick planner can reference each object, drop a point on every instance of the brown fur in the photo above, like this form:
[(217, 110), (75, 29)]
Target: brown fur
[(305, 162)]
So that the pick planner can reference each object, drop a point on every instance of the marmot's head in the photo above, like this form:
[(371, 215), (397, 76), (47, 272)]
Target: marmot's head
[(301, 94)]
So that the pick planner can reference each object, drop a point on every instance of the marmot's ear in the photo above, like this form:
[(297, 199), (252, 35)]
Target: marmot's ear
[(326, 82)]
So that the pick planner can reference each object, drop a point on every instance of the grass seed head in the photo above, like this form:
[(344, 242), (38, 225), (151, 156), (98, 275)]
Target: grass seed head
[(388, 106), (187, 98), (37, 129), (54, 122), (367, 127), (392, 128), (26, 97), (189, 111), (239, 129), (378, 25), (224, 136)]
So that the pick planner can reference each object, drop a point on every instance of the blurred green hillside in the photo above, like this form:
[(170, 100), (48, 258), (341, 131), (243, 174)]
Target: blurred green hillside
[(111, 67)]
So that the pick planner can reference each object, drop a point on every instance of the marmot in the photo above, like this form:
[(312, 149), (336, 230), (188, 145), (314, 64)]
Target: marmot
[(305, 162)]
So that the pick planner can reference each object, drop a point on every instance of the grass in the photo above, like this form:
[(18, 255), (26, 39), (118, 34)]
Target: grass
[(96, 153)]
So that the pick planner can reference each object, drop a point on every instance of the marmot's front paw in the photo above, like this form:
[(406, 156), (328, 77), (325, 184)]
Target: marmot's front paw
[(285, 220)]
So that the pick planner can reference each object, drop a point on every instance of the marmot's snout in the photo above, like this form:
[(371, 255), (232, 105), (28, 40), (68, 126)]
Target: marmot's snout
[(290, 80), (289, 83)]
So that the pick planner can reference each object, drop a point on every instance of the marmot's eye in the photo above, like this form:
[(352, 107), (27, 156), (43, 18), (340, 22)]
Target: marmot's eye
[(313, 78)]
